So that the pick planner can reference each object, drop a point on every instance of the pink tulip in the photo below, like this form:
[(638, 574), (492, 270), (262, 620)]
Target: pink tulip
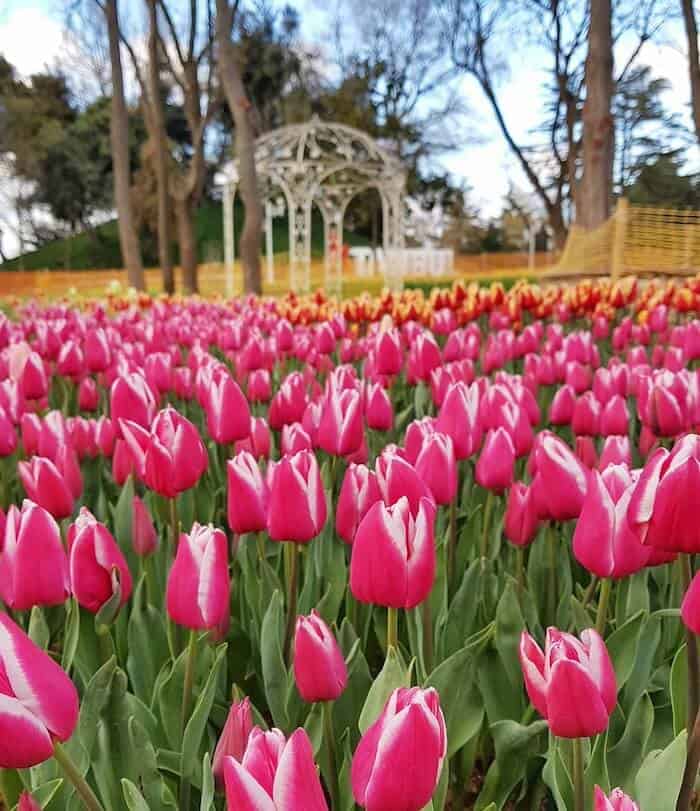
[(88, 395), (559, 483), (234, 737), (259, 386), (39, 703), (170, 458), (97, 352), (521, 522), (274, 775), (198, 590), (417, 433), (297, 507), (258, 443), (319, 667), (105, 436), (358, 493), (603, 540), (131, 399), (459, 419), (572, 684), (616, 451), (32, 379), (46, 486), (289, 402), (294, 439), (397, 764), (662, 507), (143, 534), (379, 412), (71, 362), (586, 451), (397, 478), (247, 495), (393, 555), (95, 560), (437, 466), (388, 354), (561, 411), (227, 410), (494, 468), (27, 803), (340, 431), (33, 562), (8, 435), (122, 462), (617, 801), (615, 418), (586, 416)]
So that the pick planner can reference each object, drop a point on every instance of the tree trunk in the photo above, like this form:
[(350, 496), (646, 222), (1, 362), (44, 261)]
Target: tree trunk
[(598, 126), (188, 245), (559, 229), (241, 110), (119, 135), (160, 153), (691, 29)]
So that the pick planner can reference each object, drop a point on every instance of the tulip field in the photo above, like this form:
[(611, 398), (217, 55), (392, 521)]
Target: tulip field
[(392, 553)]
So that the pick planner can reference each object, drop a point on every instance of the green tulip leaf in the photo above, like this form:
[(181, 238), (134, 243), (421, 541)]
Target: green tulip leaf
[(659, 778), (394, 674)]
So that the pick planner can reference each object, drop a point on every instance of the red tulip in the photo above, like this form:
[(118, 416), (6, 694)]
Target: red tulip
[(95, 559), (227, 410), (494, 468), (662, 507), (198, 588), (397, 764), (171, 458), (521, 521), (131, 399), (275, 775), (31, 376), (247, 495), (33, 562), (46, 486), (572, 684), (297, 507), (39, 703), (437, 466), (143, 534), (358, 493), (393, 555), (234, 737), (617, 801), (459, 419), (319, 667)]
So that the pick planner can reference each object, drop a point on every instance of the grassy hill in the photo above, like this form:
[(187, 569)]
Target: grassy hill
[(99, 248)]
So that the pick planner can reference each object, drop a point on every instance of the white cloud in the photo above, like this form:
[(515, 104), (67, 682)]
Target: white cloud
[(30, 39)]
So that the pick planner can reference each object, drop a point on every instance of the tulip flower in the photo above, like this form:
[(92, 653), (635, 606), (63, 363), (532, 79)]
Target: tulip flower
[(559, 482), (379, 412), (586, 417), (572, 684), (397, 764), (614, 418), (459, 419), (122, 462), (170, 458), (437, 466), (95, 559), (294, 439), (388, 355), (297, 507), (397, 478), (131, 398), (616, 801), (247, 495), (88, 395), (340, 430), (289, 402), (561, 411), (27, 803), (662, 507), (603, 540), (143, 534), (358, 493), (259, 386), (46, 486), (521, 521), (32, 378), (258, 442), (494, 468), (227, 410), (586, 451), (234, 737), (38, 703), (71, 362), (616, 451), (319, 667), (97, 352), (8, 435), (275, 774), (393, 555), (198, 589), (33, 562)]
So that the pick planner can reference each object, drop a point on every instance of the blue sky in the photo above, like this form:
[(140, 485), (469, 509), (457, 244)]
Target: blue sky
[(31, 36)]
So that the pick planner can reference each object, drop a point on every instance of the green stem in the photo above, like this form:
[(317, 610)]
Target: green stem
[(327, 711), (392, 628), (427, 612), (520, 562), (553, 575), (104, 638), (452, 542), (588, 593), (485, 528), (87, 795), (292, 560), (260, 540), (603, 600), (579, 788), (174, 527), (692, 648), (187, 690)]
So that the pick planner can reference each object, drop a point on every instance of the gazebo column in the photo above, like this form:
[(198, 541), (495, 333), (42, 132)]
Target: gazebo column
[(300, 244), (333, 213), (229, 235)]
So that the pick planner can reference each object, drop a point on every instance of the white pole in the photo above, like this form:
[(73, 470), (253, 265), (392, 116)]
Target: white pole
[(268, 244), (229, 237)]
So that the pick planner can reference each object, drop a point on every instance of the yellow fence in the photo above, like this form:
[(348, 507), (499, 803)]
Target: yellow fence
[(635, 240)]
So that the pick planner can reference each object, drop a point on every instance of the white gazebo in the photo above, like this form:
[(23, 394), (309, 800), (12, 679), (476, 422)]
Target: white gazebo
[(326, 164)]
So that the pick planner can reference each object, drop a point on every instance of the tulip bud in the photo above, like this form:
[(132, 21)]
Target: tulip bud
[(521, 522), (572, 684), (294, 439), (8, 435), (459, 419), (388, 355), (234, 737), (561, 411), (379, 412), (437, 466), (33, 562), (227, 410), (94, 557), (289, 402), (88, 395), (340, 431), (39, 701), (131, 399), (617, 801), (358, 493), (494, 468), (297, 508), (397, 478), (143, 533), (46, 486), (198, 588), (319, 667), (247, 495), (397, 764), (259, 386), (97, 352), (27, 803), (122, 462), (559, 484), (393, 555), (614, 418)]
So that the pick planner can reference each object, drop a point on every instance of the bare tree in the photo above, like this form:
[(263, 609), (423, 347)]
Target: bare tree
[(241, 110), (691, 29), (119, 133)]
